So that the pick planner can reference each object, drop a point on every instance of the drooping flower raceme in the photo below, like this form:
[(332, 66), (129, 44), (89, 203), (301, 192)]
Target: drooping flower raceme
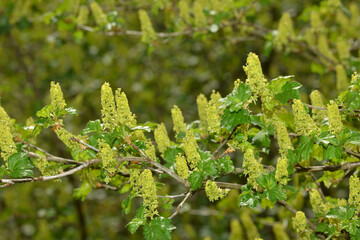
[(252, 168), (354, 194), (83, 16), (202, 110), (108, 158), (341, 78), (148, 33), (213, 192), (299, 221), (281, 170), (324, 49), (283, 138), (185, 10), (66, 137), (200, 18), (124, 114), (255, 77), (335, 124), (316, 201), (285, 30), (161, 138), (7, 144), (181, 166), (316, 100), (178, 120), (214, 113), (108, 112), (190, 147), (304, 124), (57, 97), (148, 192), (99, 15)]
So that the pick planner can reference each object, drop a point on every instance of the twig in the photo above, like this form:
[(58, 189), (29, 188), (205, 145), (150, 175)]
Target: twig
[(294, 211), (228, 185), (330, 168), (173, 196), (325, 108), (224, 142), (53, 158), (180, 205), (319, 187), (85, 144)]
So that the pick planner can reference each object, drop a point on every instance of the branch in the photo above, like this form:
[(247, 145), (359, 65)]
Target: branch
[(224, 142), (180, 205), (53, 158), (85, 144), (228, 185)]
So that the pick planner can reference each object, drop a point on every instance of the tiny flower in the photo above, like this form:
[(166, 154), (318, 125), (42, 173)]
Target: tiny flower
[(161, 138)]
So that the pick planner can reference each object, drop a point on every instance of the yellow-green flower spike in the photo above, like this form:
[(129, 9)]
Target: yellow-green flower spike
[(213, 192), (252, 168), (7, 144), (148, 192), (108, 112), (335, 124), (134, 180), (279, 232), (299, 221), (215, 100), (99, 16), (123, 110), (214, 112), (354, 192), (66, 137), (315, 21), (202, 110), (57, 97), (283, 138), (185, 11), (200, 18), (4, 117), (316, 201), (236, 231), (285, 30), (324, 48), (190, 147), (150, 151), (343, 49), (316, 100), (108, 157), (161, 138), (309, 37), (304, 124), (181, 167), (83, 16), (251, 230), (255, 77), (148, 33), (178, 120), (281, 170), (341, 78), (354, 78)]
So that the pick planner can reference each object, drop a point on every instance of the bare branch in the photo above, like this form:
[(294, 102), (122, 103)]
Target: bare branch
[(224, 142), (85, 144), (180, 205)]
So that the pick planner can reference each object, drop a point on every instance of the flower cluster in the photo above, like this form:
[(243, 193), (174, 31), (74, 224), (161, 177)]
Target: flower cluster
[(125, 116), (178, 120), (108, 158), (251, 230), (285, 30), (324, 49), (83, 16), (255, 77), (354, 195), (148, 192), (252, 167), (316, 201), (148, 33), (202, 110), (7, 144), (190, 147), (214, 113), (161, 138), (343, 49), (279, 232), (57, 97), (316, 100), (335, 124), (283, 138), (150, 150), (200, 18), (181, 166), (299, 221), (185, 10), (304, 124), (66, 137), (341, 78), (108, 110), (213, 192), (281, 170), (99, 15)]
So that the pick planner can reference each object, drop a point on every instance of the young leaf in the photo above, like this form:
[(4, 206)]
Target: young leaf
[(134, 224), (225, 164), (261, 139), (158, 229), (333, 153), (305, 148), (20, 166), (196, 180), (288, 91), (92, 127), (170, 155), (230, 120), (235, 100)]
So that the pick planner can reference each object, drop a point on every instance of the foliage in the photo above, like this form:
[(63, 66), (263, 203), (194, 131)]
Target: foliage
[(260, 146)]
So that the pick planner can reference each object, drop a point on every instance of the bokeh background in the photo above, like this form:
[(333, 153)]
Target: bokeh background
[(42, 41)]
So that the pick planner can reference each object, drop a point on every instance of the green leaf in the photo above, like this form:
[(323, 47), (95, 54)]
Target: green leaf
[(82, 192), (170, 155), (235, 100), (207, 166), (276, 84), (248, 198), (3, 171), (168, 203), (71, 111), (327, 138), (267, 181), (92, 127), (342, 213), (352, 100), (225, 164), (158, 229), (230, 120), (333, 153), (305, 148), (272, 191), (289, 91), (134, 224), (261, 139), (275, 194), (126, 203), (196, 180), (20, 166), (45, 112)]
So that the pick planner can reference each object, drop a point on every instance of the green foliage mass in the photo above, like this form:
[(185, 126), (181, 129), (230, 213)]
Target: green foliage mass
[(262, 162)]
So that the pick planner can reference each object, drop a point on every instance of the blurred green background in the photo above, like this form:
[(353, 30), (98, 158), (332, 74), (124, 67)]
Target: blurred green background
[(41, 41)]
